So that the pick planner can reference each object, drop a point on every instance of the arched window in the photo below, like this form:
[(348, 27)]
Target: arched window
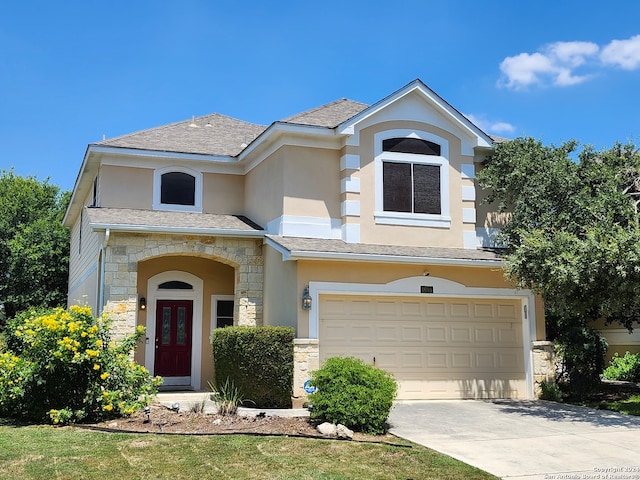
[(175, 285), (177, 188), (412, 182)]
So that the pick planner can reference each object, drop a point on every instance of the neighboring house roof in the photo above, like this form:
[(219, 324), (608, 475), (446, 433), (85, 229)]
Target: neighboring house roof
[(125, 219), (329, 115), (212, 134), (294, 248)]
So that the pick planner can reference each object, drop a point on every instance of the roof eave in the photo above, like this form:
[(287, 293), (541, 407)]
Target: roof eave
[(217, 232), (378, 258), (278, 128), (140, 152)]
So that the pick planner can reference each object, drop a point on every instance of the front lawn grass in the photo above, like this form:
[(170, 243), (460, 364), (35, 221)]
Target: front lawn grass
[(36, 451), (630, 406)]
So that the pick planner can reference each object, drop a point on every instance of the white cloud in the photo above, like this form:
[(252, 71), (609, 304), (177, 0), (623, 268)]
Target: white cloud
[(490, 126), (555, 64), (623, 53)]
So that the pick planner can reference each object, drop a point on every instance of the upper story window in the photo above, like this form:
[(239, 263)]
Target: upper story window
[(177, 188), (412, 180)]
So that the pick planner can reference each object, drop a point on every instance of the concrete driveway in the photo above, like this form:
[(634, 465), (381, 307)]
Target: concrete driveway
[(525, 439)]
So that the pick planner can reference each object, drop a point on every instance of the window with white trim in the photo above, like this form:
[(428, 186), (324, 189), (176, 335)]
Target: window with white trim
[(177, 188), (412, 180)]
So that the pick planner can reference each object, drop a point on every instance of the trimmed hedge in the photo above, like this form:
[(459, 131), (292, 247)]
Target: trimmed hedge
[(259, 362), (352, 393)]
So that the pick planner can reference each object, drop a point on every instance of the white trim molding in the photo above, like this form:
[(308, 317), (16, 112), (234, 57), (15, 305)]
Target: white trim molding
[(350, 185), (350, 161), (157, 187), (468, 170), (308, 227), (350, 208)]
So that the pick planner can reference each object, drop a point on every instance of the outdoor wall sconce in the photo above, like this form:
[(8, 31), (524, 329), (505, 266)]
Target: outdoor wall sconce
[(143, 303), (306, 299)]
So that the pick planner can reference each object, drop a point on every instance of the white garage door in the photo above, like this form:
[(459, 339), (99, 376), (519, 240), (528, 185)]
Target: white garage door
[(434, 347)]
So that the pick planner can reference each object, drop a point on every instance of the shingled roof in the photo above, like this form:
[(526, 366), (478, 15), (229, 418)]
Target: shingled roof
[(217, 134), (212, 134), (329, 115), (310, 247), (145, 220)]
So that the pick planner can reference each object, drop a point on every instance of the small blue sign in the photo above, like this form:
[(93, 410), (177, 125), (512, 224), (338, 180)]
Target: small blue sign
[(308, 387)]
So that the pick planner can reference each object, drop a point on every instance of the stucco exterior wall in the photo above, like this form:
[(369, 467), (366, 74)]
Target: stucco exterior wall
[(264, 190), (126, 187), (281, 294), (223, 194), (311, 182)]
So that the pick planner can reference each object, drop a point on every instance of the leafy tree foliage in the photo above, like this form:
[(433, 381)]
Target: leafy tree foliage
[(34, 246), (572, 234)]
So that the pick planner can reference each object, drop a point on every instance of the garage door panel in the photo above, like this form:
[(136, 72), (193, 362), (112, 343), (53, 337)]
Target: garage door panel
[(412, 334), (484, 335), (483, 310), (436, 334), (435, 309), (460, 310), (434, 348), (460, 334)]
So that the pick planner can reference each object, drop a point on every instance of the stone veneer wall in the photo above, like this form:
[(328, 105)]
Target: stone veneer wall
[(125, 251), (306, 358), (544, 363)]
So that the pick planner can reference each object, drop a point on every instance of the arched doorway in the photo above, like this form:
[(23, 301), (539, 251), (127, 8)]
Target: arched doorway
[(173, 348)]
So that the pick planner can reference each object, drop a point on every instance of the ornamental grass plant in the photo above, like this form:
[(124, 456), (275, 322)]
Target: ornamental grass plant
[(63, 366)]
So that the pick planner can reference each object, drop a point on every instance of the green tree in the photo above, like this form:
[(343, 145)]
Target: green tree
[(34, 246), (572, 233)]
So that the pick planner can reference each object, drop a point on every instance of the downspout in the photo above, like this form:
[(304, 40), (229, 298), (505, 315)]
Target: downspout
[(107, 234)]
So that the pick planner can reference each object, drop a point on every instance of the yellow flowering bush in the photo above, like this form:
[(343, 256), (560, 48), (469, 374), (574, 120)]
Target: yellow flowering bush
[(61, 365)]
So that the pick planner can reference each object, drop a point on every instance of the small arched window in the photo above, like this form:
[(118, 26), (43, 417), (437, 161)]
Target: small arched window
[(416, 146), (175, 285), (177, 188)]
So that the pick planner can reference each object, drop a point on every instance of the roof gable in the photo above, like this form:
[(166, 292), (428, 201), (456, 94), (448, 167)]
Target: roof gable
[(401, 99)]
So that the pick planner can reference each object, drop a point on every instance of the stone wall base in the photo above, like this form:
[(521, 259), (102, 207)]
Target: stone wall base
[(306, 358), (544, 363)]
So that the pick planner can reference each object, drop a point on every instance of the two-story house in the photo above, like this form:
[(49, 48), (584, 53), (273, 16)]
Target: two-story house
[(358, 225)]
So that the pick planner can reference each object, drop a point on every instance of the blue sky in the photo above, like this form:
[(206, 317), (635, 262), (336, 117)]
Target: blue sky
[(73, 71)]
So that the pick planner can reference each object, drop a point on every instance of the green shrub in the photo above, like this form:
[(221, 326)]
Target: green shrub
[(580, 350), (550, 391), (259, 362), (62, 366), (352, 393), (626, 369)]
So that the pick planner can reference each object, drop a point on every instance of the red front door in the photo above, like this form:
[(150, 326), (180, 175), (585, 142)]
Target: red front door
[(173, 338)]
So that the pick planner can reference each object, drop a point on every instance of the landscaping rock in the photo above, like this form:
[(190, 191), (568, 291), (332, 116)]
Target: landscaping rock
[(344, 432), (327, 429)]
